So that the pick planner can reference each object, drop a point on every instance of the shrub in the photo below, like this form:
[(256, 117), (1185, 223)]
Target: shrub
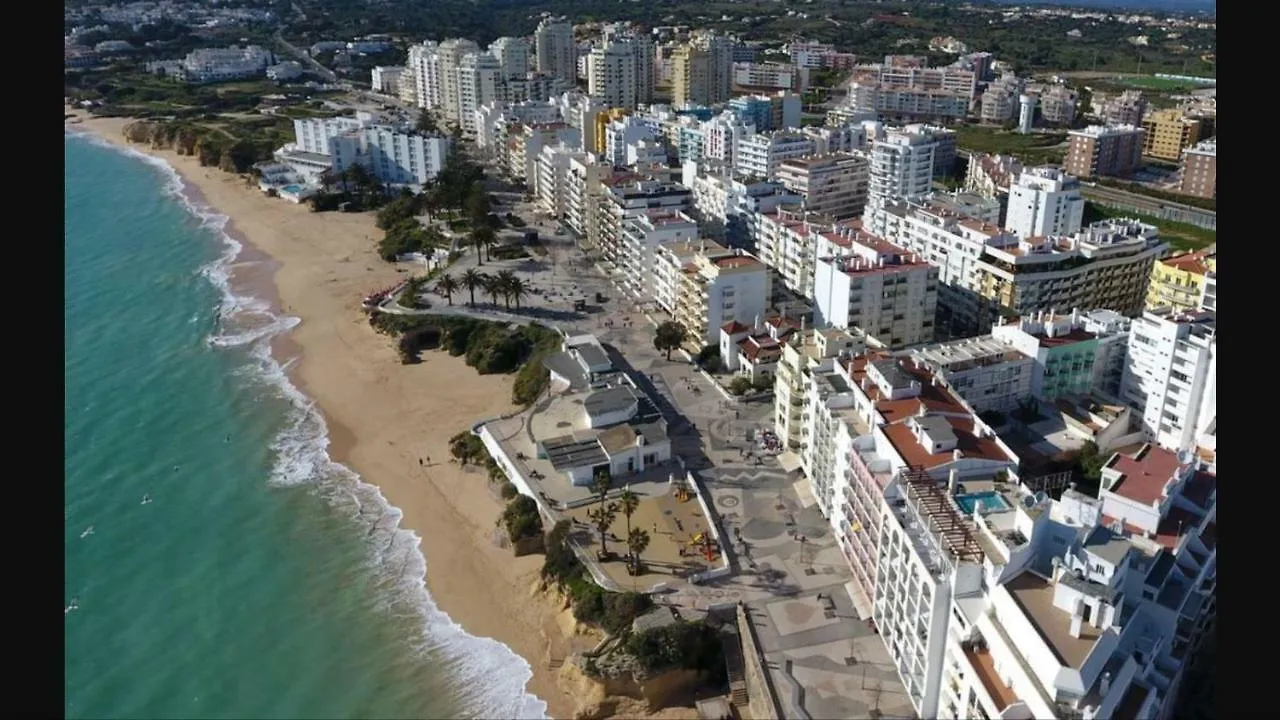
[(685, 645), (509, 491), (521, 518), (741, 385)]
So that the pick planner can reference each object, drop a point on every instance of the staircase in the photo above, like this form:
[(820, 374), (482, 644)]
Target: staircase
[(555, 663), (737, 681)]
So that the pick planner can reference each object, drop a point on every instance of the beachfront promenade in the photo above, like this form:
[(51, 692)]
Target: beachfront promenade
[(822, 660)]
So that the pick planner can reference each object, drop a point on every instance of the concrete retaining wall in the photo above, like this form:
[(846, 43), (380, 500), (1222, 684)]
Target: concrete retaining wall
[(714, 526), (762, 702)]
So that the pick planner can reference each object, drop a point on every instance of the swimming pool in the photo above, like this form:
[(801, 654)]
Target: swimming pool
[(291, 189), (991, 501)]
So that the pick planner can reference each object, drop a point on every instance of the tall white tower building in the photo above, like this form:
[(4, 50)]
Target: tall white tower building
[(611, 74), (1045, 201), (556, 52), (513, 54), (1026, 113)]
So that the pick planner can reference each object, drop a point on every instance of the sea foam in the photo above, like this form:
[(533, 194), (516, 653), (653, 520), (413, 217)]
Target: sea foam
[(490, 676)]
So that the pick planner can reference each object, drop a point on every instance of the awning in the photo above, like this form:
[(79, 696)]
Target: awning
[(861, 604), (789, 461), (805, 492)]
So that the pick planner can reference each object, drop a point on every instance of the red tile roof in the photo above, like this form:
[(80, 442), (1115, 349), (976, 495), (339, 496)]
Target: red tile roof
[(1143, 476), (1075, 336), (969, 444), (734, 327), (935, 398)]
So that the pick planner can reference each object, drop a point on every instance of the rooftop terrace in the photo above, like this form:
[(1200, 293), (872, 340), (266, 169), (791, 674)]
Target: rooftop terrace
[(1034, 595)]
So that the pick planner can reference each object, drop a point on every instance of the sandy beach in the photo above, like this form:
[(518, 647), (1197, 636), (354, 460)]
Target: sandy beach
[(384, 416)]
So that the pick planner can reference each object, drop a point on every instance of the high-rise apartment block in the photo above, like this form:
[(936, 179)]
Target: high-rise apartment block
[(1199, 172), (514, 55), (1045, 201), (702, 70), (1178, 281), (611, 75), (555, 51), (1169, 132), (832, 185), (864, 282), (1170, 377), (1098, 151)]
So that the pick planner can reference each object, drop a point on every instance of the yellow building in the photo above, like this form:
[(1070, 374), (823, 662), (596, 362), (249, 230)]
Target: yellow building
[(690, 76), (1178, 281), (1169, 132), (602, 120)]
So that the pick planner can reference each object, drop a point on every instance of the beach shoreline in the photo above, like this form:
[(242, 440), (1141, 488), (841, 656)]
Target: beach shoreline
[(383, 417)]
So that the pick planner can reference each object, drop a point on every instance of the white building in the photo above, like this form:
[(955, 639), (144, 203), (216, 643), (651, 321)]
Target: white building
[(385, 79), (514, 56), (862, 281), (422, 72), (988, 372), (611, 75), (1171, 375), (552, 173), (1045, 201), (492, 119), (901, 169), (622, 136), (759, 155), (770, 76), (626, 197), (208, 65), (717, 290), (479, 81), (396, 156), (729, 209), (584, 195), (784, 241), (720, 136), (556, 51), (834, 186), (1000, 100), (642, 234)]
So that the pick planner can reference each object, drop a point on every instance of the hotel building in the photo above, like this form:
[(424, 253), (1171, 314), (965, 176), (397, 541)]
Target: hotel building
[(1114, 150), (1171, 376), (1045, 201)]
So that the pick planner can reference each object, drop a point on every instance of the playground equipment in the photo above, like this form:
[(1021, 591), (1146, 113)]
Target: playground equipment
[(683, 494)]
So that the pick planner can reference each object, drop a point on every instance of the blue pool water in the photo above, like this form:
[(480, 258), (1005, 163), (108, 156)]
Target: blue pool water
[(990, 500), (292, 188)]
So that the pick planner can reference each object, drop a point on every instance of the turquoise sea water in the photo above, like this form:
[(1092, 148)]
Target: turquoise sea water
[(260, 580)]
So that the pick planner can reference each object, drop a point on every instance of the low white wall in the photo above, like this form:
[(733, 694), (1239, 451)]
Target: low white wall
[(724, 568)]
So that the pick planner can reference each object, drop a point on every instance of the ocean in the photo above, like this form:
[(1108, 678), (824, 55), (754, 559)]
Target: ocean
[(218, 564)]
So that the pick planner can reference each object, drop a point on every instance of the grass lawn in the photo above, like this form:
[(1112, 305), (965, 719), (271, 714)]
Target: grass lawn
[(1034, 148), (1180, 236), (1151, 82)]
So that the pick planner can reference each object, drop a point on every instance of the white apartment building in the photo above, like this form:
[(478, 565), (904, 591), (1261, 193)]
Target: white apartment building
[(479, 83), (422, 72), (525, 144), (208, 65), (717, 290), (954, 242), (1076, 353), (809, 354), (907, 104), (1000, 100), (611, 75), (670, 261), (385, 79), (533, 86), (720, 136), (862, 281), (622, 135), (451, 56), (396, 156), (846, 138), (555, 49), (642, 234), (514, 56), (1058, 105), (784, 242), (580, 111), (584, 194), (1171, 375), (729, 209), (986, 372), (833, 186), (629, 196), (901, 170), (1045, 201), (552, 173), (991, 175), (759, 155), (492, 119)]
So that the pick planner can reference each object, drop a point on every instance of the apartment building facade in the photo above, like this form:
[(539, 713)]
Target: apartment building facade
[(1198, 175), (642, 234), (715, 290), (862, 281), (1104, 151), (1168, 132), (555, 51), (1045, 201), (1127, 108), (1178, 281), (1170, 376), (834, 185)]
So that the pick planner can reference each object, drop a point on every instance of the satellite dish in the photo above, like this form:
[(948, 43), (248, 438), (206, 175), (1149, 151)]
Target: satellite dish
[(1029, 501), (1185, 457), (1041, 496)]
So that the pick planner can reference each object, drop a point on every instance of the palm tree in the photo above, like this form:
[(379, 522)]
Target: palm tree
[(447, 286), (472, 279), (518, 290), (328, 178), (628, 502), (637, 541), (603, 517), (482, 237), (504, 280), (493, 287)]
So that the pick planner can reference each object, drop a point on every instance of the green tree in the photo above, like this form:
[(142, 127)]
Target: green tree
[(504, 280), (627, 503), (492, 287), (427, 123), (637, 542), (447, 286), (740, 385), (472, 279), (602, 518), (669, 336), (518, 290), (482, 238), (478, 205)]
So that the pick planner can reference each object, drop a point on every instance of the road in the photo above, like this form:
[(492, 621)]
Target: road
[(304, 58)]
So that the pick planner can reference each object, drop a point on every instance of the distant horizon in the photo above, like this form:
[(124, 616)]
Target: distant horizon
[(1166, 5)]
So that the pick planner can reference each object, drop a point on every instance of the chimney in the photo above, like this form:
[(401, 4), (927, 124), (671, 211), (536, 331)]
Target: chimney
[(951, 481)]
